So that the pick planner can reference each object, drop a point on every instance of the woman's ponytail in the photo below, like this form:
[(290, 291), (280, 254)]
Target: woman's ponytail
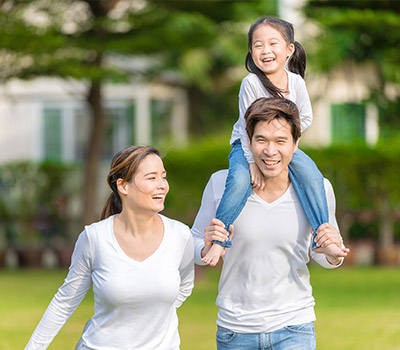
[(298, 61), (112, 206)]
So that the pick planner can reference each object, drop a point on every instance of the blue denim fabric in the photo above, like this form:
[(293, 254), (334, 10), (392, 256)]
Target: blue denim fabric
[(304, 174), (237, 189), (298, 337), (309, 185)]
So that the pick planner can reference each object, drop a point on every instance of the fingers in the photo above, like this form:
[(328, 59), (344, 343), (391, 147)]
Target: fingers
[(215, 231), (326, 235)]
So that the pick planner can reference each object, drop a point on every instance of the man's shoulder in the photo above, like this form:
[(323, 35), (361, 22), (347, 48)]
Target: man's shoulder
[(216, 183)]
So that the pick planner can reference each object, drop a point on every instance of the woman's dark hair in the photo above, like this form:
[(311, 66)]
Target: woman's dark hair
[(123, 166), (266, 109), (297, 62)]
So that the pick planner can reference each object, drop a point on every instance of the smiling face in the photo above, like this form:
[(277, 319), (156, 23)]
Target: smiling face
[(269, 49), (273, 146), (147, 190)]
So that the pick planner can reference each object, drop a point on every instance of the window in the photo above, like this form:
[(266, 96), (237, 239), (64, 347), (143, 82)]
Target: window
[(348, 123), (52, 148), (118, 128), (160, 121)]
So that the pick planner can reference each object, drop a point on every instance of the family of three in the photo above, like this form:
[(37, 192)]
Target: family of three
[(266, 215)]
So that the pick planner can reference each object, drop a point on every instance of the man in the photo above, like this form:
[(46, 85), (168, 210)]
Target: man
[(265, 298)]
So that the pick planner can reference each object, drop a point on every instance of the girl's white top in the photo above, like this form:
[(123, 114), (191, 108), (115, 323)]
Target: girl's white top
[(252, 89), (135, 302)]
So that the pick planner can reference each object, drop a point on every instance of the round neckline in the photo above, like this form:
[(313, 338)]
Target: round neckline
[(125, 256)]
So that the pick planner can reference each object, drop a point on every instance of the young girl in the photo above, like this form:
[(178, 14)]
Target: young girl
[(271, 46)]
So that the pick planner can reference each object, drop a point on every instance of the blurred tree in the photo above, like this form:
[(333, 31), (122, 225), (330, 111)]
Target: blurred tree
[(366, 31), (361, 31), (77, 39)]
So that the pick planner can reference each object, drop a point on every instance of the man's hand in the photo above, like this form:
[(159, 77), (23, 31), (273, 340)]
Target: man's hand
[(329, 242), (215, 231), (257, 178)]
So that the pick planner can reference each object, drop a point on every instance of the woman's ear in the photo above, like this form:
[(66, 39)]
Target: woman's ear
[(122, 186)]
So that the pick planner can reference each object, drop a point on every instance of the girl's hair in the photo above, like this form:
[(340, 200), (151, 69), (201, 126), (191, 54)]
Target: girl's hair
[(123, 166), (297, 62)]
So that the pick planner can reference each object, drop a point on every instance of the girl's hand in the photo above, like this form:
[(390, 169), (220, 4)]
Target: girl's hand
[(257, 178)]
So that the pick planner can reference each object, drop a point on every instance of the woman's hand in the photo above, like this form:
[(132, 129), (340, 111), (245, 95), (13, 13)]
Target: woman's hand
[(257, 178)]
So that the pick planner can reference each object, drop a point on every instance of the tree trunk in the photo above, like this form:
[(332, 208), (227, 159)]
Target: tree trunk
[(91, 172)]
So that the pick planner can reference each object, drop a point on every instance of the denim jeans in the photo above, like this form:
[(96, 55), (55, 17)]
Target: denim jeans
[(307, 180), (298, 337), (237, 189)]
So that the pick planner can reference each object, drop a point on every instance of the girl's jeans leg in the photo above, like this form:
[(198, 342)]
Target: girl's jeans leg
[(237, 189), (309, 185)]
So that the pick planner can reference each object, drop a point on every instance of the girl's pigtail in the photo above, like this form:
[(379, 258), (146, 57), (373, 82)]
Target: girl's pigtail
[(252, 68), (298, 61)]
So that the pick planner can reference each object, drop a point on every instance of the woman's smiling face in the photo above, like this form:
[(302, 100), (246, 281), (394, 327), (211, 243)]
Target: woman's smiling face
[(149, 186)]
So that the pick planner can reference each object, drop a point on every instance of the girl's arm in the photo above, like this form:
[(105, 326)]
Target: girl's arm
[(247, 95), (68, 297), (303, 104), (186, 271)]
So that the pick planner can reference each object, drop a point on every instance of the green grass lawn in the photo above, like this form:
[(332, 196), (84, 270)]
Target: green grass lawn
[(356, 309)]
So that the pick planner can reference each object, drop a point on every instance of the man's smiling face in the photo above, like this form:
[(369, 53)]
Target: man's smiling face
[(273, 146)]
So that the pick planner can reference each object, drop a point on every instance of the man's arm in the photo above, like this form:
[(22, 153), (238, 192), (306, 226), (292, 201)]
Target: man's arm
[(209, 203), (328, 233)]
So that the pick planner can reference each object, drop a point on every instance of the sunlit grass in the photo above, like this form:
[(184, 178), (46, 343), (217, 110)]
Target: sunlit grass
[(356, 309)]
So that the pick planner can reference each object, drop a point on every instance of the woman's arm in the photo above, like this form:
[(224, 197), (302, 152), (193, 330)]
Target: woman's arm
[(186, 271), (68, 297)]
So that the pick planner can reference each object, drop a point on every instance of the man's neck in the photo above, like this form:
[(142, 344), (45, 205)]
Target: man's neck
[(274, 188)]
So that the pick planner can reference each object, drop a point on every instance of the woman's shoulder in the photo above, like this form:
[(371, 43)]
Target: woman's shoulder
[(99, 227), (176, 226)]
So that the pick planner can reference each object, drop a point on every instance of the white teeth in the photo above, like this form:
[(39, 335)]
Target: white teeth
[(271, 162), (158, 197)]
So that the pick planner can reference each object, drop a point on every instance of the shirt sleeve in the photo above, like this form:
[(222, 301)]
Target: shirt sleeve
[(320, 258), (207, 211), (303, 104), (186, 271), (68, 297), (247, 95)]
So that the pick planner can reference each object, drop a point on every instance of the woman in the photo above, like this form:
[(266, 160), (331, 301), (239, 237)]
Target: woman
[(139, 262)]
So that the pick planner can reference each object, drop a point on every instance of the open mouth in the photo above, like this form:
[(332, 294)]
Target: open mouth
[(268, 60), (158, 196), (270, 162)]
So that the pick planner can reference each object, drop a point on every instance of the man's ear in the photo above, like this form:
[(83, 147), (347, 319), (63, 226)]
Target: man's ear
[(248, 143), (296, 145), (122, 186)]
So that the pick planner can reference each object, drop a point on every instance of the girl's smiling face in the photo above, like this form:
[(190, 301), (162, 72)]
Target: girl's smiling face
[(269, 49)]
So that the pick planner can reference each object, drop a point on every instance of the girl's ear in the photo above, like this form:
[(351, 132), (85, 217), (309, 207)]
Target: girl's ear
[(290, 50), (122, 186)]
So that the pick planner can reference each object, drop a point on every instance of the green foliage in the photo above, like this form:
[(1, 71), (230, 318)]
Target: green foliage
[(359, 31), (34, 199)]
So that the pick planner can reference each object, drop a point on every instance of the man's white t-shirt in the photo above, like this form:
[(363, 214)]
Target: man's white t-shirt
[(265, 282)]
